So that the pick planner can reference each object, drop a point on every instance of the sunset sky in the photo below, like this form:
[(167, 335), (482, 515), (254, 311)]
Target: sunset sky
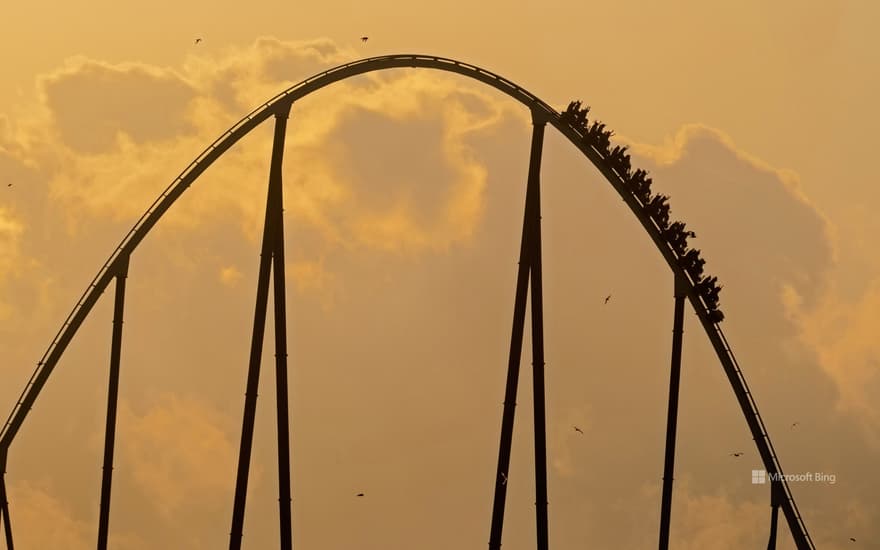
[(404, 193)]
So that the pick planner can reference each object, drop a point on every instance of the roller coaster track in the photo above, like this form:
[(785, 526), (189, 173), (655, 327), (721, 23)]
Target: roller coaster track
[(117, 262)]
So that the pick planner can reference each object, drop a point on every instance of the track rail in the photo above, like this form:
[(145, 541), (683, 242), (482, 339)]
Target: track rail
[(283, 100)]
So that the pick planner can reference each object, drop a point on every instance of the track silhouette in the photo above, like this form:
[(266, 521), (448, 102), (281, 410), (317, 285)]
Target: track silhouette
[(117, 264)]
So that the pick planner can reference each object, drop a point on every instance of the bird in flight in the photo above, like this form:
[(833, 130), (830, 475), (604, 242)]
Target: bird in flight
[(736, 454), (360, 494), (607, 298), (198, 40), (364, 38), (8, 185), (503, 478), (794, 425), (852, 539), (580, 431)]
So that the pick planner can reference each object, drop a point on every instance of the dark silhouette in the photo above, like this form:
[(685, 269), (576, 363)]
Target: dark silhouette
[(677, 237), (672, 413), (619, 160), (576, 116), (716, 316), (658, 210), (580, 431), (604, 140), (198, 40), (582, 133), (710, 293), (692, 264), (112, 397), (598, 137), (568, 115), (364, 38), (271, 264), (709, 290), (640, 185), (794, 425), (706, 283)]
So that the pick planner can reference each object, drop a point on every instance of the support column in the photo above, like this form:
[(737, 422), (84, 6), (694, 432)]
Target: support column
[(112, 398), (776, 494), (4, 504), (534, 192), (253, 378), (513, 364), (672, 413), (280, 302)]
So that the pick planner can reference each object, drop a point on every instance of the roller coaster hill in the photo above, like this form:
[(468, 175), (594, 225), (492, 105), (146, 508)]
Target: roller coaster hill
[(593, 140)]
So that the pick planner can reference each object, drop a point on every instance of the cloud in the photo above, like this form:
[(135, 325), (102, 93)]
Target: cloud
[(241, 78), (790, 245), (41, 521), (230, 276), (718, 521), (312, 278), (92, 103), (177, 453), (764, 210), (843, 334), (14, 264), (11, 230), (110, 157)]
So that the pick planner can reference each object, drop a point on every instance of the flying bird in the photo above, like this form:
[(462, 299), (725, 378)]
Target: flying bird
[(852, 539), (580, 431), (736, 454), (8, 185), (198, 40), (360, 494), (607, 298), (794, 424), (503, 478), (364, 38)]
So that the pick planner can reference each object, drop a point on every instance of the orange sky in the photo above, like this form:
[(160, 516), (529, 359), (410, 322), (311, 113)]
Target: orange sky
[(404, 194)]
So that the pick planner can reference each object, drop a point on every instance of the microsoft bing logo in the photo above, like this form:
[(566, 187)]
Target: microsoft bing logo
[(759, 477)]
